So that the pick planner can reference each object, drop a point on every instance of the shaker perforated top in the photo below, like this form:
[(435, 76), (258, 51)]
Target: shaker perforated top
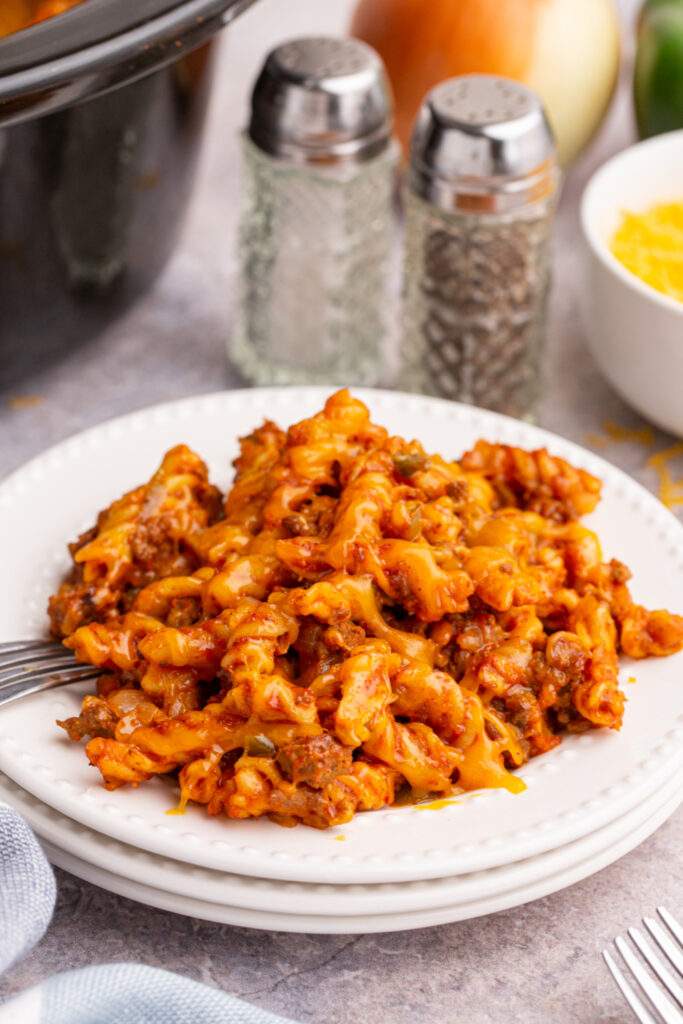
[(319, 98), (480, 126)]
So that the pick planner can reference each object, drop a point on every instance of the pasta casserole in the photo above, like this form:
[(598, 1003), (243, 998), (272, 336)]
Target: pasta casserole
[(357, 623)]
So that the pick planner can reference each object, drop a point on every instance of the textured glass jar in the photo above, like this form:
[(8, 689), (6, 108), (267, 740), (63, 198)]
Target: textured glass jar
[(317, 221), (480, 203), (314, 252), (475, 304)]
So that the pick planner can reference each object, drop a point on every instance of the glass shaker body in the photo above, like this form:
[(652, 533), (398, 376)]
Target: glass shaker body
[(480, 202), (476, 286), (315, 247)]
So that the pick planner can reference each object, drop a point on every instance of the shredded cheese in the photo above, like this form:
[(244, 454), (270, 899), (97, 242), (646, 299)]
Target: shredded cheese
[(638, 435), (17, 402), (670, 489), (612, 431), (650, 245)]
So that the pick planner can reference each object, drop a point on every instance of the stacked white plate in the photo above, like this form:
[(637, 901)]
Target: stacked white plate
[(587, 803)]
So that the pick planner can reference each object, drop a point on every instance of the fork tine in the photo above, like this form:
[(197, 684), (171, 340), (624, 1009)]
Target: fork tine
[(85, 673), (657, 965), (672, 924), (664, 1007), (641, 1012), (663, 940), (33, 657), (7, 646), (57, 668)]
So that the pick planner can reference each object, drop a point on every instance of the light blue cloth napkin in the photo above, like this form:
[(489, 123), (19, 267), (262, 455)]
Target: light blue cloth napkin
[(110, 994)]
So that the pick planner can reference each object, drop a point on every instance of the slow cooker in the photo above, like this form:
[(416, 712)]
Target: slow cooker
[(101, 116)]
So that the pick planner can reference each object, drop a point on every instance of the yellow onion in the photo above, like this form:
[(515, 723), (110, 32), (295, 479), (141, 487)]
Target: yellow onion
[(14, 15), (566, 50)]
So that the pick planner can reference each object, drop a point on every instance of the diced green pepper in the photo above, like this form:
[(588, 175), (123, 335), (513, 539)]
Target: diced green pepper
[(408, 463), (260, 746)]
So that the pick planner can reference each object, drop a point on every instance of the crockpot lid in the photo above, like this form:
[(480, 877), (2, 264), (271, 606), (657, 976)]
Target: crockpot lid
[(89, 23)]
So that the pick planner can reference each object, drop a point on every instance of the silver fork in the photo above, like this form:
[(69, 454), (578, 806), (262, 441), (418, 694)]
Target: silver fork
[(29, 666), (670, 942)]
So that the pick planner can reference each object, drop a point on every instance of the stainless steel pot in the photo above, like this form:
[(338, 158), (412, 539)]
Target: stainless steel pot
[(101, 116)]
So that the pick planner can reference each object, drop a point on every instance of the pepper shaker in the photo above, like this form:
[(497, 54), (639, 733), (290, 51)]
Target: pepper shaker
[(480, 200), (317, 218)]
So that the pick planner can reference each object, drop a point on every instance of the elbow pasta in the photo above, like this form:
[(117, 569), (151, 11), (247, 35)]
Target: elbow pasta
[(356, 622)]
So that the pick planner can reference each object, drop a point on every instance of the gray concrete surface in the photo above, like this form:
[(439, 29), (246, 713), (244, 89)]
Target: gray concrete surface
[(537, 964)]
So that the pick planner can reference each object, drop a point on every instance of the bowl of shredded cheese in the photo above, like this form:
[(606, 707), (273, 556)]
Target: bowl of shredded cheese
[(632, 299)]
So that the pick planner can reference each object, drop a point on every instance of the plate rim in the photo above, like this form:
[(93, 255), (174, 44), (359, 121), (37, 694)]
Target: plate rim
[(579, 456), (366, 924), (241, 891)]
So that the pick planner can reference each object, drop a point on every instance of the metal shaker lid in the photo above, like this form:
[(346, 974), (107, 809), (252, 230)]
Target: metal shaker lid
[(480, 134), (319, 99)]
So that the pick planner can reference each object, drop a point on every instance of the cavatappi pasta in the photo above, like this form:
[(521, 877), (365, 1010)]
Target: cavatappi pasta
[(356, 622)]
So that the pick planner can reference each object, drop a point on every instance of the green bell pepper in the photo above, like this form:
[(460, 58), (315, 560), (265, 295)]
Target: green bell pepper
[(658, 81)]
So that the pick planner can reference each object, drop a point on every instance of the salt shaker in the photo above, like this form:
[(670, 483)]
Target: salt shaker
[(480, 200), (316, 228)]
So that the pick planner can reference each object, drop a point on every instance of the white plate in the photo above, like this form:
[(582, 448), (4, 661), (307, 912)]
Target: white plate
[(361, 923), (297, 898), (588, 782)]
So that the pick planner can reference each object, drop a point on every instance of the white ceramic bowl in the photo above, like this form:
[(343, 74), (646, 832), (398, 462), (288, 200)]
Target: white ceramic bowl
[(634, 331)]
